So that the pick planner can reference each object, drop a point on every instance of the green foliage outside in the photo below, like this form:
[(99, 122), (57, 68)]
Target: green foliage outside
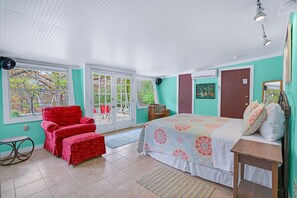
[(31, 90), (146, 93)]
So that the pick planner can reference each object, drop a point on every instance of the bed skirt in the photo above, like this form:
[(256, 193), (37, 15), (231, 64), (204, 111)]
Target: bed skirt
[(253, 174)]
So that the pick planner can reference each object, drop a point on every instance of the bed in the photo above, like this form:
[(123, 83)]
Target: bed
[(201, 146)]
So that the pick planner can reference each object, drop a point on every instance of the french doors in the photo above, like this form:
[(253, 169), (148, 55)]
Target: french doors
[(111, 101)]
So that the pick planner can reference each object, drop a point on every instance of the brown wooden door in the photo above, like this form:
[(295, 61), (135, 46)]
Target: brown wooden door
[(235, 92), (185, 93)]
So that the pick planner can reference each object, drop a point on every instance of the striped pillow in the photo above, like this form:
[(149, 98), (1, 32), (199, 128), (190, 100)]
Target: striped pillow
[(250, 108), (254, 120)]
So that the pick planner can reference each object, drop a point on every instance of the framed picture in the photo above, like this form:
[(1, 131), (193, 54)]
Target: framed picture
[(205, 91), (288, 57)]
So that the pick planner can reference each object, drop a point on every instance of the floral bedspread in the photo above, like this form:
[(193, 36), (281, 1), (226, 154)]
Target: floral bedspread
[(185, 136)]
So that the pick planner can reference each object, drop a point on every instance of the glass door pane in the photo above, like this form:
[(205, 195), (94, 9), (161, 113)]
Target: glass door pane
[(102, 98), (123, 96)]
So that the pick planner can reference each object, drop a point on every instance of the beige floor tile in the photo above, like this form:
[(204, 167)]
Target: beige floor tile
[(113, 157), (7, 185), (118, 178), (78, 194), (114, 194), (59, 178), (90, 177), (99, 188), (47, 172), (131, 188), (122, 163), (27, 178), (21, 170), (62, 189), (30, 189), (43, 194), (148, 194), (8, 194)]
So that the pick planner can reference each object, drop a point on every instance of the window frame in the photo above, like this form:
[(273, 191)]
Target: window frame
[(138, 79), (6, 91)]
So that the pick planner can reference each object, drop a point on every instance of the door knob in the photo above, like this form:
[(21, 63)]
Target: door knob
[(246, 104)]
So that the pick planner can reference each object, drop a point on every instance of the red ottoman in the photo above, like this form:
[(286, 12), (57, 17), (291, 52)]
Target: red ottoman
[(79, 148)]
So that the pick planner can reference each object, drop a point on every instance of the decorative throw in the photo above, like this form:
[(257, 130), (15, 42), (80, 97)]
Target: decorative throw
[(250, 108), (254, 120)]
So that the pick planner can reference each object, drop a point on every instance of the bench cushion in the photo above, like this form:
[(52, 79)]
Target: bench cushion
[(79, 148)]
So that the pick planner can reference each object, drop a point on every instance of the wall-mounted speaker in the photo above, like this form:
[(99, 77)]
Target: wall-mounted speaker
[(158, 81), (7, 63)]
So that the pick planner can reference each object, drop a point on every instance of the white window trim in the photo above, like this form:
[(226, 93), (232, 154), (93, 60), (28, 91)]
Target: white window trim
[(6, 91), (154, 90)]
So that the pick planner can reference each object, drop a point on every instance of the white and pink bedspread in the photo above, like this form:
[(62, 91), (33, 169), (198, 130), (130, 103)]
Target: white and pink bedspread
[(184, 136)]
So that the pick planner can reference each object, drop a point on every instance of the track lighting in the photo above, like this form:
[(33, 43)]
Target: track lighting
[(266, 41), (260, 14)]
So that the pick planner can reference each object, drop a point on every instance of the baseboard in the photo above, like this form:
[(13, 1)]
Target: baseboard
[(26, 149), (140, 124)]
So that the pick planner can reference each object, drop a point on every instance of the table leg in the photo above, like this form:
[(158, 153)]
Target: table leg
[(241, 171), (274, 179), (235, 176)]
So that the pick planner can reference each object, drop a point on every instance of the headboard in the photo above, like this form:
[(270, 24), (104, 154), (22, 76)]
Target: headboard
[(284, 170)]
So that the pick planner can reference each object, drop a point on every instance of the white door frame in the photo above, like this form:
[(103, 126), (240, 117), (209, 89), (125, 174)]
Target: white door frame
[(251, 82), (88, 90)]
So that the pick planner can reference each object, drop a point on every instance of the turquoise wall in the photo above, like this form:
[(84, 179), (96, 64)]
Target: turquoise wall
[(78, 87), (206, 106), (167, 93), (291, 91), (35, 131), (141, 115), (264, 70)]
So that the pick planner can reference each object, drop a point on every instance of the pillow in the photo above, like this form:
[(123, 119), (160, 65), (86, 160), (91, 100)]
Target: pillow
[(250, 108), (254, 120), (274, 126)]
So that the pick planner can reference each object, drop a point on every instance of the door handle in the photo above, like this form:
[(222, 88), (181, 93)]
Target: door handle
[(246, 104)]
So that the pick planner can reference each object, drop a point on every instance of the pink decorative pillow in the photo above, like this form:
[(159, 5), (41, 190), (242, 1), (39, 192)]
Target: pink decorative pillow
[(49, 126), (254, 120), (250, 108), (86, 120)]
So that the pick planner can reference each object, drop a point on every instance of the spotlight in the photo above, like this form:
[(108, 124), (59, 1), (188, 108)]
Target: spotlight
[(260, 14), (7, 63)]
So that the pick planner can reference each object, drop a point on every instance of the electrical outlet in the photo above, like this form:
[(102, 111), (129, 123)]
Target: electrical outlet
[(26, 127), (295, 189)]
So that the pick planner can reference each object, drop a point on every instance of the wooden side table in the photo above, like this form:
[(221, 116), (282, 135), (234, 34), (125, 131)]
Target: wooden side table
[(266, 156), (15, 155)]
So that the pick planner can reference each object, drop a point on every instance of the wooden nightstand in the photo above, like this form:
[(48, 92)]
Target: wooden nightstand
[(266, 156)]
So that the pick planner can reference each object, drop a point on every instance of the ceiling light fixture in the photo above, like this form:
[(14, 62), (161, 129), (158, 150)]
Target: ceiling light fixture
[(260, 14), (266, 41)]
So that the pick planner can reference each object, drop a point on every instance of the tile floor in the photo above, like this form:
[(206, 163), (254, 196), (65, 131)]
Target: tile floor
[(112, 175)]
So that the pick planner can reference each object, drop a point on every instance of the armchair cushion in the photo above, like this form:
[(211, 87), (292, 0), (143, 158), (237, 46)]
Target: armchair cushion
[(62, 115), (74, 129), (86, 120), (49, 126)]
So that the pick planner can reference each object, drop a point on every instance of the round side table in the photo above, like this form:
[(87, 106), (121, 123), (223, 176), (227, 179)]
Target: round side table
[(15, 155)]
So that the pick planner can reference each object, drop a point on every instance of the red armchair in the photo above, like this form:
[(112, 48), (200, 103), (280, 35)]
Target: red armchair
[(61, 122)]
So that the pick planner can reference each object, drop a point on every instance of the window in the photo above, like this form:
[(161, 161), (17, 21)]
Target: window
[(146, 93), (30, 89)]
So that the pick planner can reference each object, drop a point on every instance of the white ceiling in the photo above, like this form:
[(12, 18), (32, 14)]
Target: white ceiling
[(151, 37)]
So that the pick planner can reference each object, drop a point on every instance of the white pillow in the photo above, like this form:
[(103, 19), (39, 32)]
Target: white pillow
[(273, 127)]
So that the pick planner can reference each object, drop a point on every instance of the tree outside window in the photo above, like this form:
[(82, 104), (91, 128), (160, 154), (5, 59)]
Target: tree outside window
[(31, 90), (145, 93)]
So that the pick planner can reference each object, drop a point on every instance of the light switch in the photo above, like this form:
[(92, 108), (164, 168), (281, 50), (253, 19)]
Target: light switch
[(244, 81)]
